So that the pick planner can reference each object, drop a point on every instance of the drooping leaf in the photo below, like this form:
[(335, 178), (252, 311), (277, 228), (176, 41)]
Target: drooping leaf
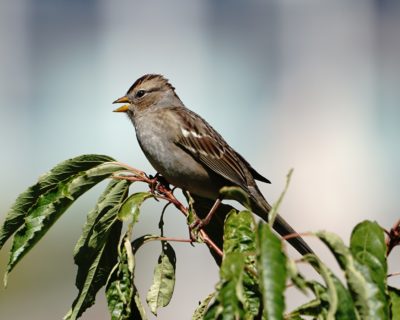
[(138, 242), (26, 200), (271, 266), (332, 297), (345, 307), (53, 195), (316, 308), (321, 305), (202, 308), (236, 193), (365, 292), (122, 296), (97, 250), (130, 208), (160, 292), (367, 245), (395, 303), (297, 278)]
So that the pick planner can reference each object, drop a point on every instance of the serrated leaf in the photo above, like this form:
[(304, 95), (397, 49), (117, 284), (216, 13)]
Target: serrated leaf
[(27, 199), (59, 193), (94, 276), (160, 292), (365, 293), (271, 266), (394, 294), (122, 296), (367, 245), (97, 250), (131, 207), (202, 308)]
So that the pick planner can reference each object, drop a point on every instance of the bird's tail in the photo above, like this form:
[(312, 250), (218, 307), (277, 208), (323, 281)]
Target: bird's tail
[(262, 208)]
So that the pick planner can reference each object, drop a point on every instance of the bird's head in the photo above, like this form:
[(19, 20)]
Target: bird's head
[(148, 91)]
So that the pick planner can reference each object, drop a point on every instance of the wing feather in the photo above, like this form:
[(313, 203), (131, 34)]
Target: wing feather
[(205, 144)]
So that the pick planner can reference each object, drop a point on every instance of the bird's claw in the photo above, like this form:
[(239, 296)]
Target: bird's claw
[(194, 229)]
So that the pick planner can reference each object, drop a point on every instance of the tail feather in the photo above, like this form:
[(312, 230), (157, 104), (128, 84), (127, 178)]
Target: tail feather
[(261, 207), (284, 229)]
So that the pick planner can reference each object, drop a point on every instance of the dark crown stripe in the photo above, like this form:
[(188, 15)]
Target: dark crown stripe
[(148, 77)]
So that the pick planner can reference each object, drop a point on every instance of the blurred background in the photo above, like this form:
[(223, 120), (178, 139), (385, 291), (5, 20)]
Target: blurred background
[(313, 85)]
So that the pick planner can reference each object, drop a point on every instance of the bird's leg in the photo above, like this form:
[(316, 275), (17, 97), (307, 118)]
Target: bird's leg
[(198, 224)]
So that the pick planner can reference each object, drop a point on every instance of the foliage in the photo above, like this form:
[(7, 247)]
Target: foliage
[(255, 269)]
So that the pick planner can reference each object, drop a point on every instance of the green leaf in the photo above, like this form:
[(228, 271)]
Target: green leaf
[(271, 266), (229, 299), (395, 303), (322, 305), (236, 193), (367, 244), (97, 250), (122, 296), (237, 295), (365, 292), (160, 292), (274, 210), (55, 192), (316, 308), (131, 207), (327, 275), (202, 308), (16, 216), (239, 235), (297, 278), (138, 242)]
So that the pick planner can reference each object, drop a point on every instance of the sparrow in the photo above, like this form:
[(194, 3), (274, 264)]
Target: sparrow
[(189, 153)]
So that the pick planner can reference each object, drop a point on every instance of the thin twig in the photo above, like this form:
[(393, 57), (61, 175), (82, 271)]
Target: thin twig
[(130, 168), (174, 239), (163, 192), (393, 274), (297, 235)]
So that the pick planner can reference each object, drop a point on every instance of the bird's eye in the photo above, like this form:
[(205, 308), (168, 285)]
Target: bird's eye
[(140, 93)]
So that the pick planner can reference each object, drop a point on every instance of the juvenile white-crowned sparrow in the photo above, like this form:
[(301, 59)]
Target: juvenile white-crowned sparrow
[(188, 152)]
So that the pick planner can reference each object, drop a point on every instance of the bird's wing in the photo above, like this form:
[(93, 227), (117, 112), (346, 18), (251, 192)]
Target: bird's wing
[(253, 171), (199, 139)]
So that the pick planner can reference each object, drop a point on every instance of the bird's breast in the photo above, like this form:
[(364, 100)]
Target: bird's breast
[(157, 140)]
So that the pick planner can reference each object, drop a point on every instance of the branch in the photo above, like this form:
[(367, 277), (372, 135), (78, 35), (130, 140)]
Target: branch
[(161, 190)]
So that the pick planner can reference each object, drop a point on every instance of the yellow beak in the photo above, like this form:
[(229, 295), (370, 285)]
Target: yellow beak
[(123, 108)]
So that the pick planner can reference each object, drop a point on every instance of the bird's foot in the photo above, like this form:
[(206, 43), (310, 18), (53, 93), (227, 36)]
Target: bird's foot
[(157, 182), (195, 227)]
